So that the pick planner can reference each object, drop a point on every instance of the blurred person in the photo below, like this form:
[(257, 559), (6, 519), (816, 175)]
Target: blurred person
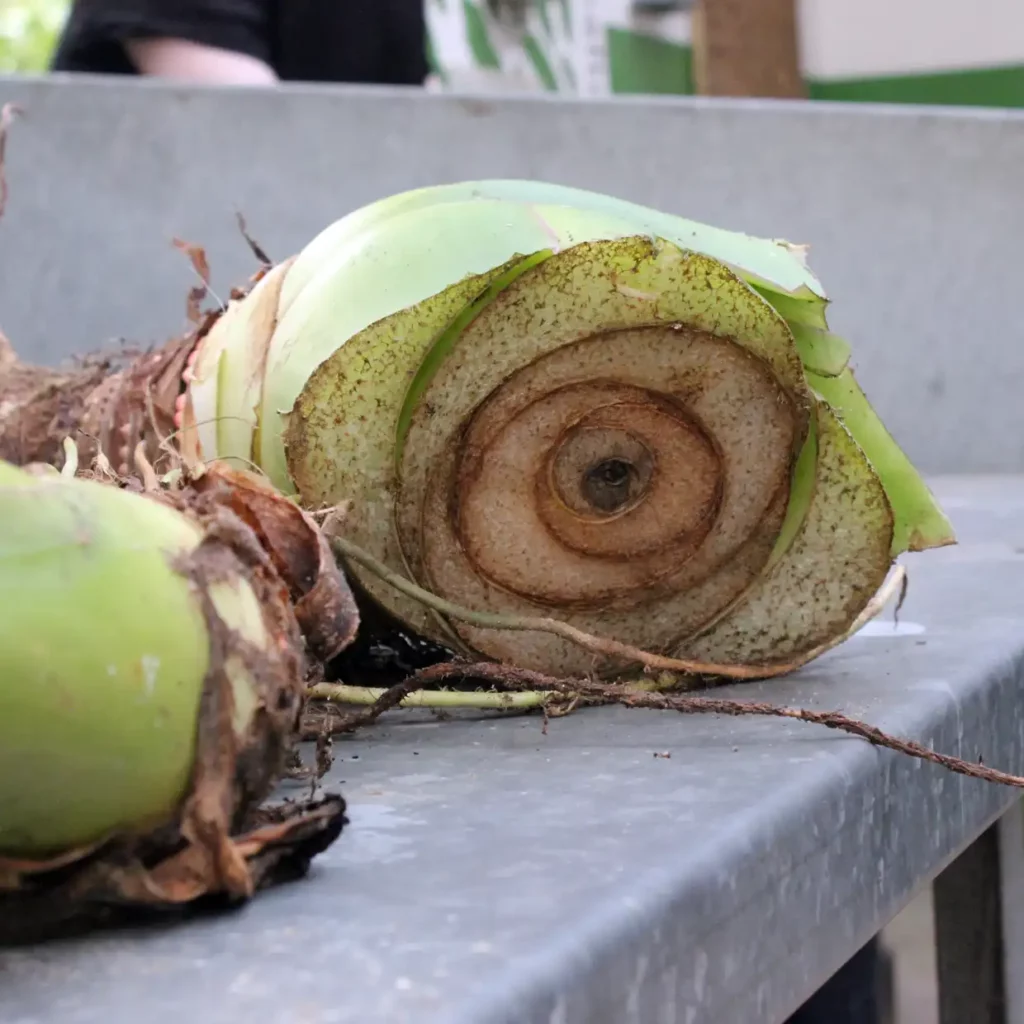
[(248, 42)]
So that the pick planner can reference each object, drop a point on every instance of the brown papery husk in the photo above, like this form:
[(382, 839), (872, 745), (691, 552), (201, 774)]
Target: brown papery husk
[(222, 844), (109, 403), (106, 403)]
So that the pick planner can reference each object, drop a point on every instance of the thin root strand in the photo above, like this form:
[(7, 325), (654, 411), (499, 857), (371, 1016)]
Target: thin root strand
[(614, 649), (558, 696)]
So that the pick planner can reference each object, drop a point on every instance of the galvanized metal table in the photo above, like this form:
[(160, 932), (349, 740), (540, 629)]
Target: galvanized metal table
[(496, 874)]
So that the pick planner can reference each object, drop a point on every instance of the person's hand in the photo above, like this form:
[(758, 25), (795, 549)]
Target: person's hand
[(184, 60)]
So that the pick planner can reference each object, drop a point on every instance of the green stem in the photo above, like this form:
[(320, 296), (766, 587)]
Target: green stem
[(484, 700)]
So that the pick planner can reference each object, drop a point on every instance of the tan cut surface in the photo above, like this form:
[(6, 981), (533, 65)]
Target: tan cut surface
[(838, 560)]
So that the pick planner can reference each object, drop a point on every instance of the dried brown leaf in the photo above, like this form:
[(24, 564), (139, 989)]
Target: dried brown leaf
[(257, 250), (197, 257)]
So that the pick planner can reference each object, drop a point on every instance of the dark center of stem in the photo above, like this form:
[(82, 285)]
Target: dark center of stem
[(608, 485)]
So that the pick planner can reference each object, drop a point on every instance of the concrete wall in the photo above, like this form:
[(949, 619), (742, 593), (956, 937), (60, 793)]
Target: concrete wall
[(916, 216), (864, 38)]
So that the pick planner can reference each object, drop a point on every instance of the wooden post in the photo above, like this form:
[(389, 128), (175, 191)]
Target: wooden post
[(747, 48)]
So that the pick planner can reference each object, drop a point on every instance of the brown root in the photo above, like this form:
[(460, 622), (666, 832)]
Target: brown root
[(631, 695)]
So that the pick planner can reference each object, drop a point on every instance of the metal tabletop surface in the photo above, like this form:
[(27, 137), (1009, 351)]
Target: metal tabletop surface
[(495, 874)]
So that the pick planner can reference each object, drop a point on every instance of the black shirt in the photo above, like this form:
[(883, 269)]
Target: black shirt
[(368, 41)]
